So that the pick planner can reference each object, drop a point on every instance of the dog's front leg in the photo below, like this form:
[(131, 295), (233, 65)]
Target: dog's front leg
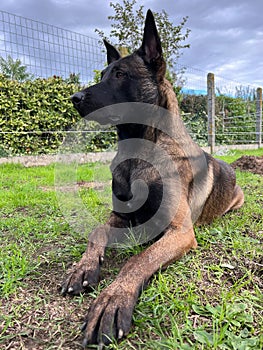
[(110, 315), (85, 273)]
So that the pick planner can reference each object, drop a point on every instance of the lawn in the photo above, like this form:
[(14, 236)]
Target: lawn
[(210, 299)]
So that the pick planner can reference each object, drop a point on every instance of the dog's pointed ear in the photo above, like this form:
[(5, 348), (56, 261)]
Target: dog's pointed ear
[(112, 53), (151, 49)]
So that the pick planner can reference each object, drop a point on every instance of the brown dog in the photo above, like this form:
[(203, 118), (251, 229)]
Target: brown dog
[(184, 184)]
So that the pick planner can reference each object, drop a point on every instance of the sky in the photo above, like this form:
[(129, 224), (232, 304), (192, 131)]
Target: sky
[(226, 36)]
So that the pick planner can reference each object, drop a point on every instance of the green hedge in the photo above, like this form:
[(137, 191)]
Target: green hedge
[(234, 122), (34, 114), (29, 109)]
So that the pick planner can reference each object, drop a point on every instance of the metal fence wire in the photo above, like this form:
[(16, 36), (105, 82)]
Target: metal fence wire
[(47, 50), (236, 121)]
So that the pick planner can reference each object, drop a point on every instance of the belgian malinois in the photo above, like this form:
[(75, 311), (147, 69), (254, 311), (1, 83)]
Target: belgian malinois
[(198, 187)]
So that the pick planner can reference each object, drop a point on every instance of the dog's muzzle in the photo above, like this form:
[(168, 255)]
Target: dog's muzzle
[(77, 98)]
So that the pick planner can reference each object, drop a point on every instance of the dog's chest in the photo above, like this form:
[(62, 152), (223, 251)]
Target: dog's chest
[(137, 188)]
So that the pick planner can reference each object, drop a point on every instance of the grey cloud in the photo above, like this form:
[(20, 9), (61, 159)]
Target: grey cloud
[(226, 36), (62, 13)]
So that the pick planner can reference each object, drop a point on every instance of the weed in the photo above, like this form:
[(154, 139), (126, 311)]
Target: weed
[(210, 299)]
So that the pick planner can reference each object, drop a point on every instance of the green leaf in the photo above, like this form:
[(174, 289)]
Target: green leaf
[(204, 337)]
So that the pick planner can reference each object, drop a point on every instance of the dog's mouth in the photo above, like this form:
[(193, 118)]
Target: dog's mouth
[(104, 117), (99, 112)]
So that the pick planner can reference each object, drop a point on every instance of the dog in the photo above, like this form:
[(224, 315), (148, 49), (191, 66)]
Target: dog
[(189, 185)]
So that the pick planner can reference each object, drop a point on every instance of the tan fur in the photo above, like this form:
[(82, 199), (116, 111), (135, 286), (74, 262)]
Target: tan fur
[(201, 189), (168, 100), (216, 194)]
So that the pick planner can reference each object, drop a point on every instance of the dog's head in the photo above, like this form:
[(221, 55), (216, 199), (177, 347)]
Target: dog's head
[(134, 78)]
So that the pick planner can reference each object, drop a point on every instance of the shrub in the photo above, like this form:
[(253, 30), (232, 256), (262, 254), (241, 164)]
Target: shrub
[(14, 69), (33, 113)]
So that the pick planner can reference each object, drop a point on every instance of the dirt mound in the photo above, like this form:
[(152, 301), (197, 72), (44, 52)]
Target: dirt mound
[(249, 163)]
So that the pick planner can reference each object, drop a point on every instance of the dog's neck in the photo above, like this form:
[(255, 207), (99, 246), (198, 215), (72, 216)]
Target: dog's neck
[(128, 131), (167, 100), (167, 97)]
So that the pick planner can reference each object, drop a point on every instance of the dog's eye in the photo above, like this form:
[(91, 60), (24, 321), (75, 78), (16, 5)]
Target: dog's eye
[(119, 74)]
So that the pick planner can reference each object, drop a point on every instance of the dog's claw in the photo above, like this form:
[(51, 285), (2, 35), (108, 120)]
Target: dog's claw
[(101, 346), (120, 334), (85, 284), (83, 327), (85, 343), (109, 316), (63, 291), (81, 277)]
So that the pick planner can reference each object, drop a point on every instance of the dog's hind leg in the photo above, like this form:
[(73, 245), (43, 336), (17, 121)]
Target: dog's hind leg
[(237, 200), (85, 273)]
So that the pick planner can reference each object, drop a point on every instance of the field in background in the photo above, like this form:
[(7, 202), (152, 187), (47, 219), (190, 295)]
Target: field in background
[(210, 299)]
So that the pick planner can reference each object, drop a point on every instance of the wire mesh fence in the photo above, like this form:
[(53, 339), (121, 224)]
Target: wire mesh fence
[(237, 113), (47, 50), (236, 125), (194, 80), (236, 119), (236, 130)]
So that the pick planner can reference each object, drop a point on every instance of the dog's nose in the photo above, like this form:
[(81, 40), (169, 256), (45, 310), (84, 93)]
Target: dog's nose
[(77, 97)]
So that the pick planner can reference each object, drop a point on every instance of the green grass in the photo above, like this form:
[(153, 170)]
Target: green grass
[(235, 154), (210, 299)]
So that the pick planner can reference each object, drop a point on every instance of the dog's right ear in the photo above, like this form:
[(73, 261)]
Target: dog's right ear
[(112, 53), (151, 49)]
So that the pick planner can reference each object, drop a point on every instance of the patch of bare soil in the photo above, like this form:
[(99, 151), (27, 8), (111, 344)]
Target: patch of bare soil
[(37, 317), (47, 159), (96, 185), (249, 163), (45, 319)]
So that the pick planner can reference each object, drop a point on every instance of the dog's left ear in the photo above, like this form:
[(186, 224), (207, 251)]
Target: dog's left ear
[(112, 53), (151, 49)]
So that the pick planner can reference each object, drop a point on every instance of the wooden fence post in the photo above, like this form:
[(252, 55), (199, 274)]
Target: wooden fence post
[(211, 110), (259, 117)]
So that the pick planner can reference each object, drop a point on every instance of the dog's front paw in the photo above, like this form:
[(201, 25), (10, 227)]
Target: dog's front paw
[(81, 277), (109, 316)]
